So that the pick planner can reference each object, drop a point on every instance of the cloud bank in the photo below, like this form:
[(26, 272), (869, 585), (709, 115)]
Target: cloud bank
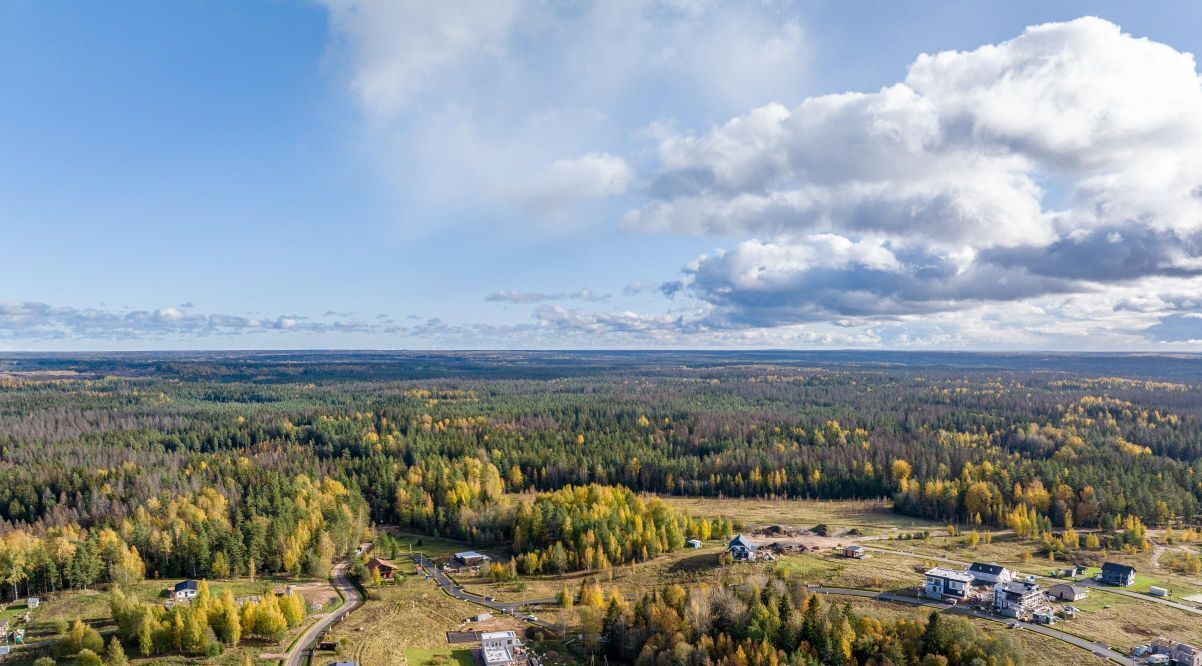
[(1065, 161)]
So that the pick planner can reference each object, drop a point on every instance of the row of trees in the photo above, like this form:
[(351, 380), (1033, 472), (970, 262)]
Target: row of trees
[(206, 624), (778, 623), (303, 528)]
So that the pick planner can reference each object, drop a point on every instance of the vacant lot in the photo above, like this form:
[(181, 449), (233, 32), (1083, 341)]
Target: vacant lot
[(403, 619), (870, 516)]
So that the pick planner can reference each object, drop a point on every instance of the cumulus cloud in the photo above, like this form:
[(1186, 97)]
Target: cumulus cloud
[(1067, 160)]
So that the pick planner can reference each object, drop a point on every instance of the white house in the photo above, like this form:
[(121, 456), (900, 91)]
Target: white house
[(500, 648), (741, 548), (185, 590), (942, 583), (693, 543), (989, 574)]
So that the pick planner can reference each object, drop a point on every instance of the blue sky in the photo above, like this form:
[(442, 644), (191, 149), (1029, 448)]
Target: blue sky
[(394, 175)]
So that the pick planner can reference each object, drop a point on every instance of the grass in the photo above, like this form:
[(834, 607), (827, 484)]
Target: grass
[(870, 516), (683, 567), (1124, 622), (409, 614), (434, 546), (439, 657)]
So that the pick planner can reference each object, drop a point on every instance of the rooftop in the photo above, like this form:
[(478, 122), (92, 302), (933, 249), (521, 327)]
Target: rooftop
[(468, 554), (497, 634), (950, 574), (1018, 587), (496, 655)]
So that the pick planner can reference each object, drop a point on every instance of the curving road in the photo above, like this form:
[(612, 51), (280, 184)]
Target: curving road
[(352, 599), (455, 590)]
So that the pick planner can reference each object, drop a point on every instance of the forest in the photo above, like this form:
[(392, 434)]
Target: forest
[(120, 467)]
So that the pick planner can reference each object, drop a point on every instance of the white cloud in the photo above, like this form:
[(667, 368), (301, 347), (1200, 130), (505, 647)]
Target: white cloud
[(571, 181), (1065, 161), (399, 48), (531, 103), (530, 297)]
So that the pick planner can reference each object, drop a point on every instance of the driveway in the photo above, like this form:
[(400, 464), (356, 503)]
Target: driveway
[(352, 599)]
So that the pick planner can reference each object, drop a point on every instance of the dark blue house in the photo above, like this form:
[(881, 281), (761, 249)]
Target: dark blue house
[(1118, 574)]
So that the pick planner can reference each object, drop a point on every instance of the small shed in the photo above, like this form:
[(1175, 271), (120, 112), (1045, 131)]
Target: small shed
[(854, 552), (33, 602), (693, 543)]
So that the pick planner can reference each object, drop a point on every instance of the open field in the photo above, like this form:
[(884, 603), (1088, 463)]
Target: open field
[(439, 657), (878, 571), (1124, 622), (433, 546), (402, 619), (869, 516), (683, 567)]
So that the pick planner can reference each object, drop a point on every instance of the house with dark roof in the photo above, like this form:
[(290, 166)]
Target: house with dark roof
[(1120, 575), (741, 548), (989, 574), (186, 589)]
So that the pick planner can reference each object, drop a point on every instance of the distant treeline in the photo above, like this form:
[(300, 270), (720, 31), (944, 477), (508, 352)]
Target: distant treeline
[(211, 467)]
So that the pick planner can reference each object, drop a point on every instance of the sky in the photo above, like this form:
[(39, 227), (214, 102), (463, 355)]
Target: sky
[(573, 174)]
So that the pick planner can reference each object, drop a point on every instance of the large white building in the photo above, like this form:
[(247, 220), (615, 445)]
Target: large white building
[(500, 648), (942, 583)]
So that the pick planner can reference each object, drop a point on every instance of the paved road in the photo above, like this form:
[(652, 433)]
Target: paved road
[(455, 590), (352, 599), (1096, 648)]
